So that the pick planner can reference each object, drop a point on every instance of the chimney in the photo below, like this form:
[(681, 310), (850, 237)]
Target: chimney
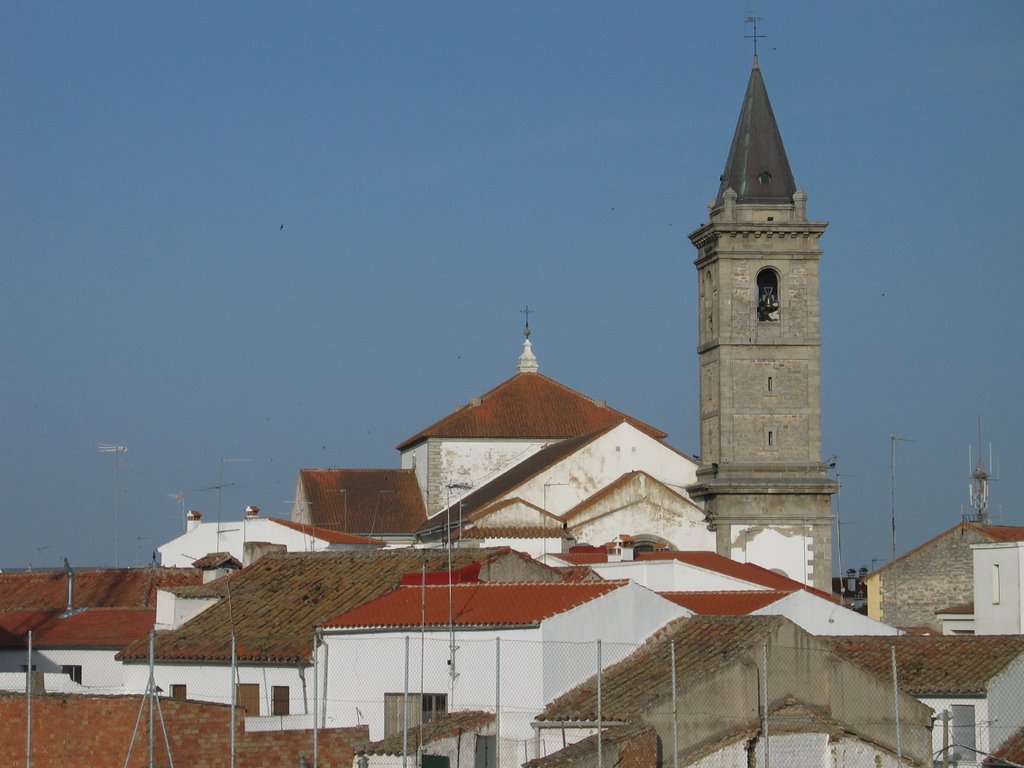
[(71, 587), (192, 519), (254, 550), (252, 511)]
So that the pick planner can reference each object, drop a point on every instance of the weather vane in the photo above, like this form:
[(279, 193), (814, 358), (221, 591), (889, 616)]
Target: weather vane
[(526, 311), (752, 20)]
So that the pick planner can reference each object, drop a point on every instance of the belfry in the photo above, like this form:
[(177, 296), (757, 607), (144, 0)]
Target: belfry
[(765, 490)]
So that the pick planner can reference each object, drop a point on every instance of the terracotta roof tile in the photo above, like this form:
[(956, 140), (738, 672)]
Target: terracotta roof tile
[(473, 605), (276, 602), (755, 574), (364, 501), (529, 406), (702, 645), (450, 724), (934, 664), (510, 532), (725, 603), (577, 752), (217, 560), (94, 587), (329, 534), (1011, 752), (88, 628)]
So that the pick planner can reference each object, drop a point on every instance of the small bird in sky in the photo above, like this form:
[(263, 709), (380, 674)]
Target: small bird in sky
[(282, 227)]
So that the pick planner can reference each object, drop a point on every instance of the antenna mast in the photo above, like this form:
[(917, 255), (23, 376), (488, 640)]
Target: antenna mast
[(980, 477)]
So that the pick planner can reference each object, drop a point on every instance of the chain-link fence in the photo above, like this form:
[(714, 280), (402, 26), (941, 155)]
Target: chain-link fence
[(701, 693)]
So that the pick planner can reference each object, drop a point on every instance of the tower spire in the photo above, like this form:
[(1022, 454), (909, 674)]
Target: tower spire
[(757, 168), (527, 360)]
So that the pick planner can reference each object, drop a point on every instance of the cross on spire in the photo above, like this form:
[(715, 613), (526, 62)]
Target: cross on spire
[(526, 311), (752, 20)]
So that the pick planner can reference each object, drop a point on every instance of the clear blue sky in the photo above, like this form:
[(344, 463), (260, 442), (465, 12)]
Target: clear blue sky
[(437, 166)]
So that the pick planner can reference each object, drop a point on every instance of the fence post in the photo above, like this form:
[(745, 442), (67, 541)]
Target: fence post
[(497, 702), (896, 708), (28, 704), (600, 756), (151, 690), (675, 711), (764, 726), (234, 696), (316, 694), (405, 708)]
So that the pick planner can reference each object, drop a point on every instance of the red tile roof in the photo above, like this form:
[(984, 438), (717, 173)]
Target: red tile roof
[(1011, 752), (274, 605), (750, 572), (88, 628), (94, 587), (328, 534), (473, 605), (217, 560), (725, 603), (363, 501), (934, 664), (529, 406)]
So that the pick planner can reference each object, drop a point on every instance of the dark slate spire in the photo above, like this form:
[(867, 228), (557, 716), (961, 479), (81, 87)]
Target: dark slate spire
[(757, 168)]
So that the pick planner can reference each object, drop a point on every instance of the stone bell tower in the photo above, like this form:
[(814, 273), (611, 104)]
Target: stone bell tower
[(763, 484)]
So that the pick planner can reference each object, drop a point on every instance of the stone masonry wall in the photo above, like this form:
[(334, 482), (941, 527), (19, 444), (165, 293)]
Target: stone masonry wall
[(938, 575)]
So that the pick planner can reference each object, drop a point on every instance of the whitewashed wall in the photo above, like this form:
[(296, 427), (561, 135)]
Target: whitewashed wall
[(819, 616), (182, 551), (101, 672), (212, 682), (999, 613), (786, 549), (672, 576)]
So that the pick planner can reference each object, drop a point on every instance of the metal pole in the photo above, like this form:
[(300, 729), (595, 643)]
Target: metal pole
[(945, 738), (600, 757), (896, 708), (675, 711), (28, 705), (405, 708), (316, 693), (497, 702), (151, 690), (764, 726), (234, 695)]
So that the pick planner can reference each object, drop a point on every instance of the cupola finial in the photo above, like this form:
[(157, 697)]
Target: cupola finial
[(527, 360)]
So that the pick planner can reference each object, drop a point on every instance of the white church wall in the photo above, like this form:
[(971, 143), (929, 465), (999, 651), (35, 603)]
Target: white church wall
[(477, 462), (784, 549), (682, 527)]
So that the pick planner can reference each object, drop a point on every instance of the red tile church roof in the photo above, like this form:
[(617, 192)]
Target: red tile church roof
[(363, 501), (529, 406), (473, 605)]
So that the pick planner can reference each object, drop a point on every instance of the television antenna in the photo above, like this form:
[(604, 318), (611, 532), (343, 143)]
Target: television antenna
[(980, 478), (117, 450)]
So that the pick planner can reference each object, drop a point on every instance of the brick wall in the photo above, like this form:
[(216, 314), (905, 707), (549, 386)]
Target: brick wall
[(95, 731)]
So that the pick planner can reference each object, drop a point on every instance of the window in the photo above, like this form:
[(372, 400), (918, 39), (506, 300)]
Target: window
[(995, 584), (962, 732), (767, 296), (280, 700), (247, 697), (179, 691), (424, 709), (74, 671), (769, 385)]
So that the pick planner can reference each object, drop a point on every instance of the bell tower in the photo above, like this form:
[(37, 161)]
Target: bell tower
[(765, 490)]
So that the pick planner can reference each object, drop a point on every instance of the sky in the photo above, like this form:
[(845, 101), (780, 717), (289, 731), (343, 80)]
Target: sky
[(241, 239)]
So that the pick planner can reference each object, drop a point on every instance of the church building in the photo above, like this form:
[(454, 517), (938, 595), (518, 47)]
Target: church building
[(538, 466), (761, 480)]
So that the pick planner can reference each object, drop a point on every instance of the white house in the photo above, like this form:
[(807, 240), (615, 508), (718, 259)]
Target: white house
[(998, 587), (504, 648), (236, 537)]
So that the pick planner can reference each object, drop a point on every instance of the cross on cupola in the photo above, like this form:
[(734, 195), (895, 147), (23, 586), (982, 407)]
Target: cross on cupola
[(527, 360)]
